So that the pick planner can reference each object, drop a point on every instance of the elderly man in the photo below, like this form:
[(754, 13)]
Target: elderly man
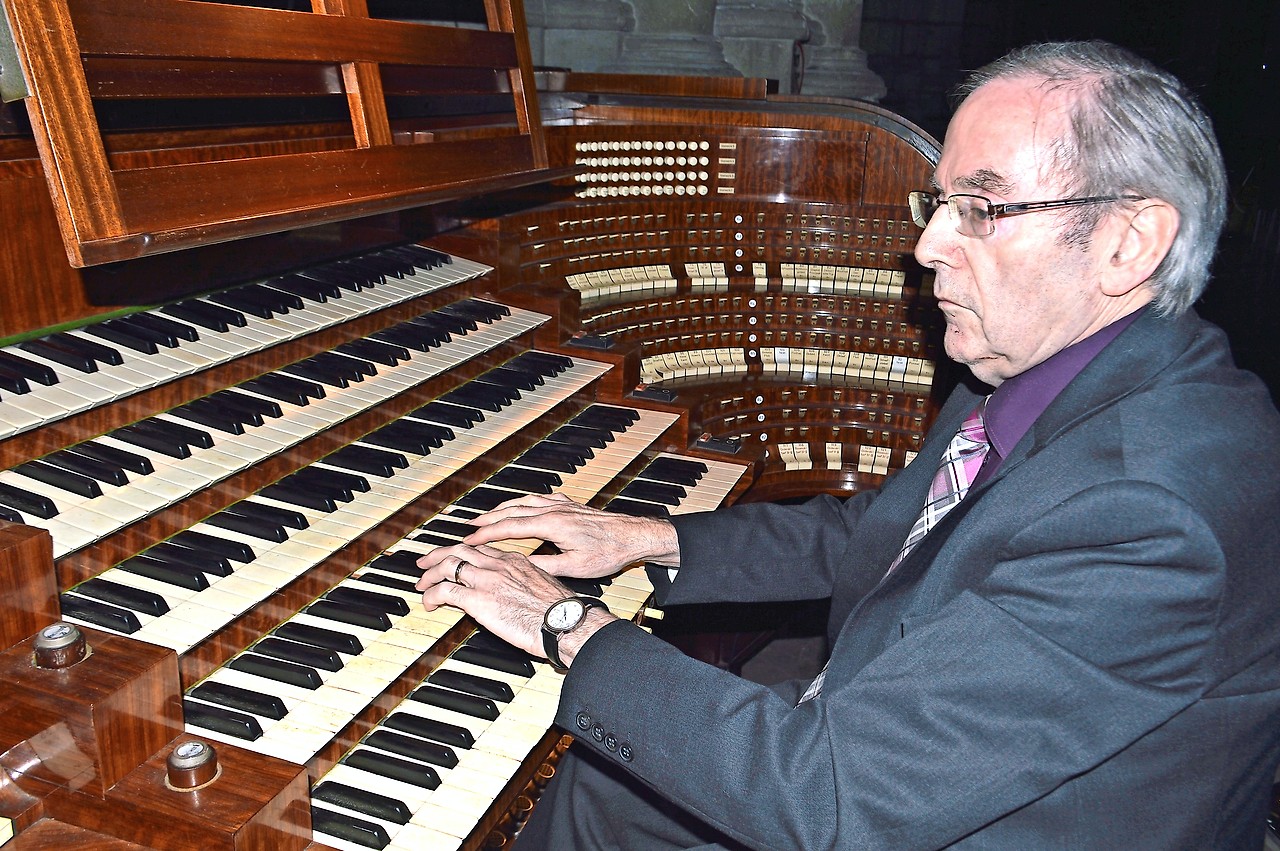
[(1056, 628)]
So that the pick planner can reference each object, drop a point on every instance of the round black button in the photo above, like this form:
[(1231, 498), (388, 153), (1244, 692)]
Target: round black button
[(584, 721), (624, 751), (597, 733), (611, 742)]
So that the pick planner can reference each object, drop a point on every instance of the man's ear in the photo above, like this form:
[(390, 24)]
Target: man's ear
[(1141, 240)]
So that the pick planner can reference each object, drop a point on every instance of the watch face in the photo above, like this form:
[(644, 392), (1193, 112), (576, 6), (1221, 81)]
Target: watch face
[(565, 615)]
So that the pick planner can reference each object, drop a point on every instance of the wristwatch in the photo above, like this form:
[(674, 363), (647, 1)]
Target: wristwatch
[(564, 616)]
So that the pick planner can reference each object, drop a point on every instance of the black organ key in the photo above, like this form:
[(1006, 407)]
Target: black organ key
[(308, 288), (414, 748), (458, 416), (544, 362), (203, 560), (597, 438), (177, 432), (123, 335), (269, 514), (606, 416), (149, 333), (301, 496), (211, 316), (389, 603), (29, 369), (474, 397), (250, 526), (370, 803), (161, 325), (472, 684), (171, 573), (383, 353), (60, 478), (234, 550), (112, 474), (450, 527), (354, 615), (663, 468), (437, 540), (28, 502), (654, 492), (343, 642), (506, 663), (278, 670), (146, 602), (301, 654), (286, 388), (402, 437), (99, 614), (272, 514), (416, 774), (139, 435), (61, 354), (453, 320), (245, 405), (457, 701), (7, 513), (366, 459), (403, 562), (409, 337), (375, 578), (318, 372), (13, 381), (337, 484), (367, 834), (508, 376), (532, 481), (637, 509), (467, 310), (485, 499), (211, 415), (241, 302), (429, 728), (226, 721), (97, 351), (131, 461), (243, 699)]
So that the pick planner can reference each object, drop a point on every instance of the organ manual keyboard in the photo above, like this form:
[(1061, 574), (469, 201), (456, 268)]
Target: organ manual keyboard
[(288, 297)]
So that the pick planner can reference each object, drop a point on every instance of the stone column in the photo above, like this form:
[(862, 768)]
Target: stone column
[(759, 38), (582, 35), (834, 64), (673, 37)]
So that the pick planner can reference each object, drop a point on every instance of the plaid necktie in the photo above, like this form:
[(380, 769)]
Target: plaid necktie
[(957, 470)]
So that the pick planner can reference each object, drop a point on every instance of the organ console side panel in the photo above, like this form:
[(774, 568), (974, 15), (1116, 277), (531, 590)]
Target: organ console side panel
[(289, 297)]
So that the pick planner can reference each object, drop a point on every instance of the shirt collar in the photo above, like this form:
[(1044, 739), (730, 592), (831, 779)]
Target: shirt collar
[(1019, 401)]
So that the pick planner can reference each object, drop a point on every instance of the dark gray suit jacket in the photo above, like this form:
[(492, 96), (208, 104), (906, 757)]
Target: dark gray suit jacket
[(1085, 654)]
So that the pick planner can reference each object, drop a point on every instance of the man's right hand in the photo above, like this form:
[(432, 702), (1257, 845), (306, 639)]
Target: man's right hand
[(592, 543)]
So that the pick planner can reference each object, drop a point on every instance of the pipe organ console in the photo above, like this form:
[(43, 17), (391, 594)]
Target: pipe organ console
[(290, 294)]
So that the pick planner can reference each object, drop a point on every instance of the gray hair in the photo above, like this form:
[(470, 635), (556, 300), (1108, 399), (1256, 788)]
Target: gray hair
[(1137, 130)]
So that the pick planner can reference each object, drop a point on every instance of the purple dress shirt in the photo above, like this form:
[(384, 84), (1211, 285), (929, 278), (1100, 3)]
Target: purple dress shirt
[(1020, 400)]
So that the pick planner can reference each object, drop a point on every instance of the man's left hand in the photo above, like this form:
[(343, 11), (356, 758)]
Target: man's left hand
[(503, 591)]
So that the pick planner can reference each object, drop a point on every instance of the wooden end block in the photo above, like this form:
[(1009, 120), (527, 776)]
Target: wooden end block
[(255, 803), (28, 587), (92, 723)]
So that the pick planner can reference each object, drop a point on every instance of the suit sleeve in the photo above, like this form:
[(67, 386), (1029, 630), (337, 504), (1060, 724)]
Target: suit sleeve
[(763, 552), (1088, 630)]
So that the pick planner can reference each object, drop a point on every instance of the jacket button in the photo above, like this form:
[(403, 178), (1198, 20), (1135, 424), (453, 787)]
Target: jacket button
[(597, 733), (624, 751), (611, 742), (584, 721)]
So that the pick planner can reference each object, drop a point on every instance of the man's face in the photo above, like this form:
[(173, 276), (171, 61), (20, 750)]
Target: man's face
[(1018, 296)]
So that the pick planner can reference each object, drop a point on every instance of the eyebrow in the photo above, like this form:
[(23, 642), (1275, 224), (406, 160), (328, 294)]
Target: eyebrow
[(982, 180)]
